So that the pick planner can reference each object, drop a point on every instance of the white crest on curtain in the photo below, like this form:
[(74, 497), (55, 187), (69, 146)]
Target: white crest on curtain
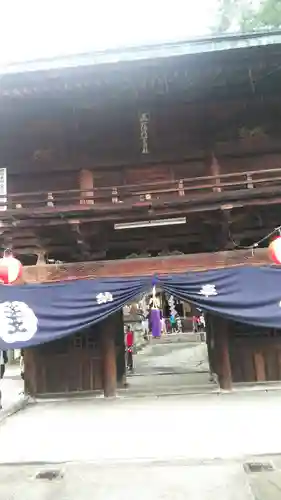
[(208, 290), (103, 298), (18, 322)]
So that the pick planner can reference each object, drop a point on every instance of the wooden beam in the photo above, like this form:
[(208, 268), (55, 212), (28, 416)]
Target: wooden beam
[(51, 249), (26, 224), (196, 202), (147, 266), (24, 242)]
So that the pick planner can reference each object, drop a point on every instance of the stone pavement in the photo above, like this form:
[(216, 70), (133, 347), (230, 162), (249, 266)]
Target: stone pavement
[(225, 426), (12, 391), (173, 448), (133, 481)]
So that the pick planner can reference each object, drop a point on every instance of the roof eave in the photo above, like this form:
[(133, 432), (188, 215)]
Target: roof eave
[(138, 53)]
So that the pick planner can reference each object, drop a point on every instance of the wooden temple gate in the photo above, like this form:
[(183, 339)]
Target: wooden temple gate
[(162, 162), (94, 359)]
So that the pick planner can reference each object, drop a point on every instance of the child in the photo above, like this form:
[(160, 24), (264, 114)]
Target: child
[(163, 326), (173, 323)]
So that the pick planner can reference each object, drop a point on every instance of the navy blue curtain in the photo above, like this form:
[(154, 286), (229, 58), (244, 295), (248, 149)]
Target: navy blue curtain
[(247, 294), (35, 314)]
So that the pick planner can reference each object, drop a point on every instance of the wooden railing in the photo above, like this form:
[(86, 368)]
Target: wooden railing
[(139, 194)]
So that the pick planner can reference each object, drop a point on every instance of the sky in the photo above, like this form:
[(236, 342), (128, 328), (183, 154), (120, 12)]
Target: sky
[(33, 29)]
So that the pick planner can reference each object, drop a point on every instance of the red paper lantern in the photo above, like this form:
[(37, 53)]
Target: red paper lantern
[(275, 250), (10, 269)]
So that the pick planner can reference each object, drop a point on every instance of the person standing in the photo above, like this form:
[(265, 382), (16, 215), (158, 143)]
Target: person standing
[(173, 323), (3, 361), (129, 341), (22, 364), (163, 325), (145, 327)]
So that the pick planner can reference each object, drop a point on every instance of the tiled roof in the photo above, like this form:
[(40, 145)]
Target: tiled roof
[(161, 50)]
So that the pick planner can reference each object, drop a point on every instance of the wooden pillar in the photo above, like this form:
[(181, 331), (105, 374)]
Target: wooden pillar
[(210, 342), (215, 171), (30, 382), (108, 349), (86, 184), (221, 345), (120, 349), (259, 365)]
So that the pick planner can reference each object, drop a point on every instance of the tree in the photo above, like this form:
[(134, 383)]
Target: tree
[(268, 15), (247, 15)]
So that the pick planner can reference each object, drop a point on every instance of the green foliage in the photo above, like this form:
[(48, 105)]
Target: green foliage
[(269, 14), (246, 15)]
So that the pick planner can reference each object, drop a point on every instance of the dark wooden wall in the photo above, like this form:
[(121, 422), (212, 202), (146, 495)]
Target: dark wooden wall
[(42, 180), (255, 353), (79, 130), (250, 354), (87, 117), (73, 364), (105, 138), (67, 365)]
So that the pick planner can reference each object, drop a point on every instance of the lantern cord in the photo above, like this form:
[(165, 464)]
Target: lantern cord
[(257, 243), (276, 230)]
